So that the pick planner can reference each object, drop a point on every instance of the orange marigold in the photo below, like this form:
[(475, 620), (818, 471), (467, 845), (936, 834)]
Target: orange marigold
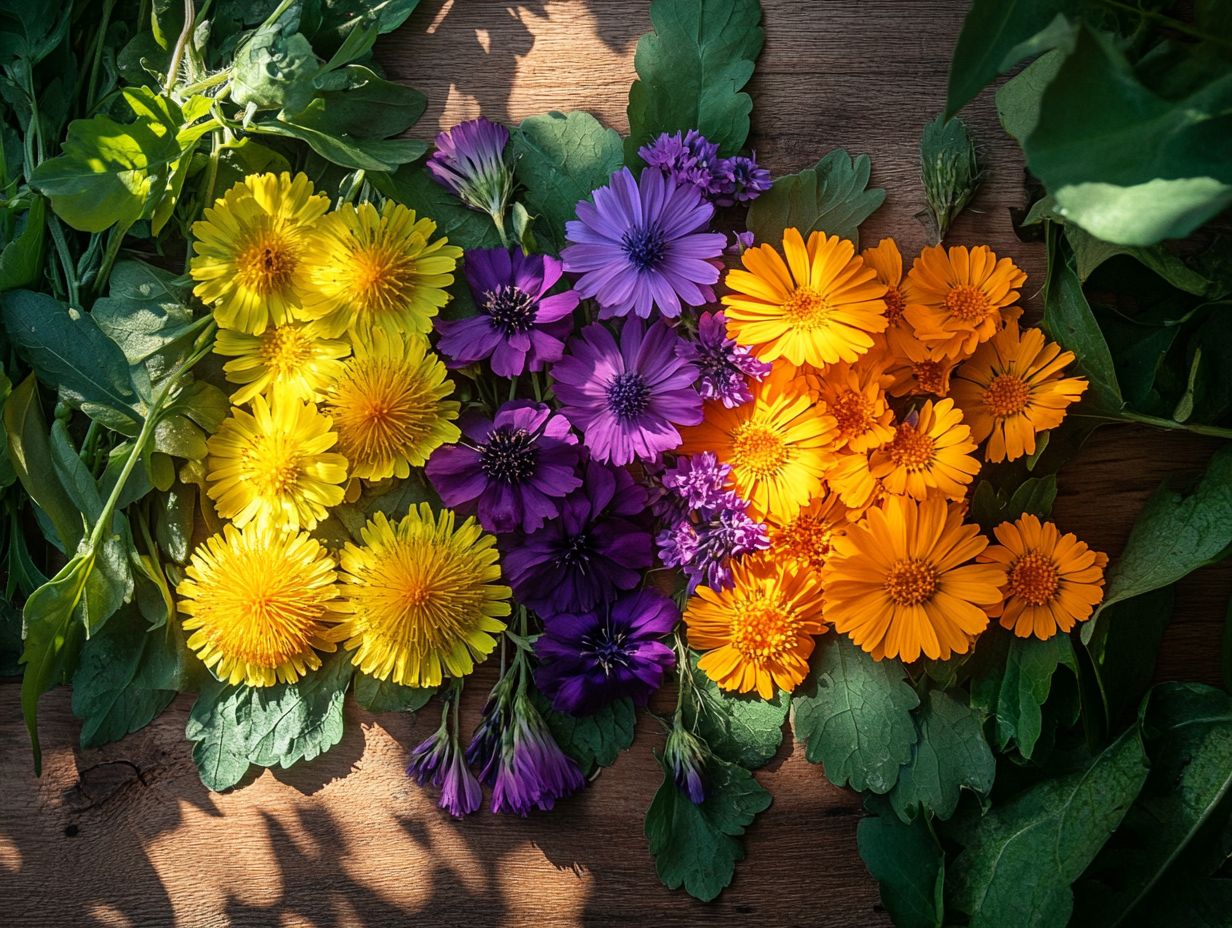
[(855, 396), (930, 454)]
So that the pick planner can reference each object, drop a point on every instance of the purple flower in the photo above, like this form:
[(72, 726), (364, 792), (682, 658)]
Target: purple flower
[(742, 179), (704, 544), (690, 160), (741, 242), (519, 326), (430, 756), (685, 756), (512, 471), (628, 399), (470, 161), (639, 245), (589, 554), (696, 482), (724, 366), (461, 792), (438, 760), (588, 661)]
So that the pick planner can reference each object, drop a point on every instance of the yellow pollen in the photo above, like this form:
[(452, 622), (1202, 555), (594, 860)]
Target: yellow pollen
[(266, 266), (966, 304), (1034, 579), (382, 278), (911, 448), (930, 375), (911, 582), (854, 412), (806, 308), (895, 304), (764, 628), (1007, 395), (759, 449), (806, 539), (284, 349), (279, 476)]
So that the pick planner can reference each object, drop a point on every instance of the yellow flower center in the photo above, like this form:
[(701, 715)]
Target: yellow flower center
[(378, 412), (759, 449), (854, 412), (284, 349), (967, 304), (931, 376), (276, 471), (911, 448), (266, 265), (911, 582), (807, 539), (764, 628), (1007, 395), (895, 304), (806, 308), (1034, 579), (382, 279)]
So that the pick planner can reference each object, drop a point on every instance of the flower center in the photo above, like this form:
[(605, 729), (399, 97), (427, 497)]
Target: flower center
[(379, 410), (911, 448), (1007, 395), (628, 395), (509, 456), (805, 308), (854, 413), (280, 473), (511, 309), (644, 246), (932, 377), (759, 449), (806, 539), (764, 628), (911, 582), (1034, 579), (284, 349), (574, 551), (382, 279), (608, 649), (895, 304), (266, 266), (967, 304)]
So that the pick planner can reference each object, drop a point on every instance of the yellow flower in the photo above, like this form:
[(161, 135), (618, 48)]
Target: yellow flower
[(887, 263), (292, 356), (820, 306), (381, 269), (900, 582), (919, 370), (929, 454), (274, 465), (758, 634), (260, 603), (424, 599), (389, 406), (1012, 388), (250, 251), (808, 537), (855, 396)]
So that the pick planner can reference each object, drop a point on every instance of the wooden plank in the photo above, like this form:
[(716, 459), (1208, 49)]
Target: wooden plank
[(126, 835)]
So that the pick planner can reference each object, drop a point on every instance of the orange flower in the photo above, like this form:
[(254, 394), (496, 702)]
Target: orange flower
[(806, 539), (958, 300), (901, 583), (1052, 580), (1012, 388), (851, 477), (758, 634), (920, 370), (930, 454), (855, 396), (887, 263)]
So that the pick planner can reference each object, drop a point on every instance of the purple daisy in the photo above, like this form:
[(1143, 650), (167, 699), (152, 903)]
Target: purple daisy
[(519, 326), (628, 399), (688, 159), (470, 161), (725, 367), (588, 661), (742, 180), (512, 471), (641, 245), (589, 554)]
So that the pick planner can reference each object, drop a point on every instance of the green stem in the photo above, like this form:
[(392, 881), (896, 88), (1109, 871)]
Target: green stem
[(66, 259), (1167, 22), (278, 11), (177, 53), (108, 6), (1212, 430), (513, 389), (498, 220), (109, 257)]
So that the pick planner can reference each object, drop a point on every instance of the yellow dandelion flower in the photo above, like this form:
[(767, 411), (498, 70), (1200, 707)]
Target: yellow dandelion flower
[(275, 464), (259, 604), (291, 357), (381, 269), (389, 406), (851, 477), (855, 396), (423, 598), (929, 454), (820, 306), (249, 251)]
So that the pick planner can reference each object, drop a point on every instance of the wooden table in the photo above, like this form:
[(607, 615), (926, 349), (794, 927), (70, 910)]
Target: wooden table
[(127, 836)]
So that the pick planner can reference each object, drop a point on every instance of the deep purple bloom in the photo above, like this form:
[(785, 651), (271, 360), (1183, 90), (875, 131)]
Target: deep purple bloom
[(704, 543), (438, 760), (641, 245), (588, 661), (589, 554), (725, 367), (513, 471), (742, 180), (628, 399), (685, 757), (461, 792), (519, 325), (696, 481), (689, 159), (429, 757), (470, 161)]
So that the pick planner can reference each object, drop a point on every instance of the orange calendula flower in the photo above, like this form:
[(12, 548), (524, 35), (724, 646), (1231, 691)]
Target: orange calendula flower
[(778, 445), (901, 581), (851, 477), (1052, 580), (887, 263), (807, 538), (1012, 388), (758, 634), (855, 396), (930, 454), (920, 370), (820, 306), (958, 299)]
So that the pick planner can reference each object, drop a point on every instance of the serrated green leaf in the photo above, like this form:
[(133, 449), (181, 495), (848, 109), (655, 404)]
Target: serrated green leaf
[(742, 728), (273, 69), (386, 696), (1016, 685), (830, 197), (698, 846), (907, 863), (950, 754), (594, 740), (854, 715)]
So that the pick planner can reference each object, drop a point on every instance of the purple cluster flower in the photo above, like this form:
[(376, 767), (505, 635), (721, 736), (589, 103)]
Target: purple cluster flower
[(741, 242), (696, 481), (685, 756), (589, 660), (725, 367), (744, 180), (439, 760), (691, 159), (470, 161)]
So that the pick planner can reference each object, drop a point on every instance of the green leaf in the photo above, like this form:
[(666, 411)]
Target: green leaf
[(697, 847), (950, 753), (1091, 252), (830, 197), (1226, 663), (691, 70), (274, 69), (1124, 646), (386, 696), (355, 101), (742, 728), (348, 151), (21, 261), (1015, 688), (464, 227), (1020, 859), (854, 714), (561, 158), (593, 740), (339, 18), (1018, 99), (30, 30), (950, 170), (990, 506), (907, 862), (146, 314)]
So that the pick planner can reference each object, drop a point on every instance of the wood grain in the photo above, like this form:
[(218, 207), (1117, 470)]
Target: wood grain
[(127, 836)]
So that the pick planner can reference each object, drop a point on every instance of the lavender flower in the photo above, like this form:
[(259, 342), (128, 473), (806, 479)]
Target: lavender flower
[(696, 482), (430, 756), (742, 180), (741, 242), (470, 161), (640, 245), (704, 544), (725, 367), (438, 760), (627, 400), (685, 756), (690, 160), (461, 792)]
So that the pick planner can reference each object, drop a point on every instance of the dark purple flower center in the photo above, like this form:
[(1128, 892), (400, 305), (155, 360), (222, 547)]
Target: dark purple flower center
[(509, 456), (607, 648), (628, 395), (511, 309), (644, 246), (574, 552)]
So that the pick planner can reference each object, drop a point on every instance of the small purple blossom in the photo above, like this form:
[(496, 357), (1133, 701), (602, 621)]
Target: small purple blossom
[(519, 326), (627, 400), (704, 544), (590, 660), (689, 159), (470, 161), (461, 792), (685, 756), (725, 367), (513, 471), (642, 244), (438, 760), (429, 757), (696, 482), (743, 180), (741, 242)]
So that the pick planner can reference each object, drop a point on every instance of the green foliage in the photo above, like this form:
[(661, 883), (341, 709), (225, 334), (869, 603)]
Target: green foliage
[(950, 171), (950, 753), (698, 846), (830, 197), (907, 862), (742, 728), (691, 70), (991, 506), (21, 257), (1123, 645), (386, 696), (1016, 684), (592, 740)]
